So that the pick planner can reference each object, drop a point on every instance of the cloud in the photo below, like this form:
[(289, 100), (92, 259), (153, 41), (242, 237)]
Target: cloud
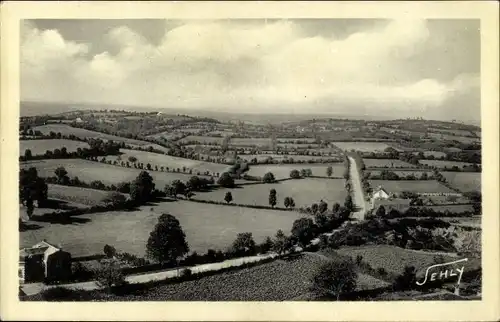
[(242, 67)]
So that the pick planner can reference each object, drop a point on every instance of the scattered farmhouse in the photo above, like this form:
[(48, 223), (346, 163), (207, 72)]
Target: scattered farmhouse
[(380, 197), (43, 261)]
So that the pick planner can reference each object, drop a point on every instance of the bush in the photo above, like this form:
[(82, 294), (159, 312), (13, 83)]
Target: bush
[(110, 275), (334, 278), (186, 273)]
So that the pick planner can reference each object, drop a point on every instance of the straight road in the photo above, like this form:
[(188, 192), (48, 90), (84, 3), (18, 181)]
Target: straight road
[(357, 191)]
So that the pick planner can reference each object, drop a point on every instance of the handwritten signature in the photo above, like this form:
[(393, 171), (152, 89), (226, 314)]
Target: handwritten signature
[(444, 273)]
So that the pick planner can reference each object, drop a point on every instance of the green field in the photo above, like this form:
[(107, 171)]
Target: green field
[(88, 171), (427, 186), (393, 259), (169, 161), (362, 146), (201, 139), (464, 181), (68, 130), (282, 171), (391, 163), (304, 192), (259, 142), (279, 157), (449, 164), (206, 226), (40, 146)]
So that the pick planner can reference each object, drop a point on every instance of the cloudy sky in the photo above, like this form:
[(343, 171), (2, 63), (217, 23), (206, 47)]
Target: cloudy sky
[(427, 68)]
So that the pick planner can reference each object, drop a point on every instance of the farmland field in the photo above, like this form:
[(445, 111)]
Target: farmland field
[(330, 190), (278, 157), (85, 196), (88, 171), (279, 280), (362, 146), (399, 173), (201, 139), (40, 146), (374, 163), (286, 140), (393, 259), (427, 186), (206, 226), (436, 154), (250, 142), (298, 145), (440, 164), (169, 161), (283, 171), (448, 137), (82, 133), (464, 181)]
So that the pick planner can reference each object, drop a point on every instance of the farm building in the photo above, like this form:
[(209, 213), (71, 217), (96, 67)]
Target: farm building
[(43, 261), (380, 193)]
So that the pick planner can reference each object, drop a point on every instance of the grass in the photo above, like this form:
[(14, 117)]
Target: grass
[(283, 171), (393, 259), (427, 186), (284, 140), (260, 142), (464, 181), (40, 146), (448, 137), (440, 164), (436, 154), (109, 174), (85, 196), (206, 226), (374, 163), (279, 157), (303, 191), (83, 133), (362, 146), (201, 139), (169, 161)]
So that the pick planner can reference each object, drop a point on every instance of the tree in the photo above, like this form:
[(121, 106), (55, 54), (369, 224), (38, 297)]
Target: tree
[(280, 242), (314, 208), (167, 242), (115, 198), (132, 159), (348, 204), (336, 207), (229, 197), (109, 274), (27, 154), (334, 278), (292, 203), (304, 230), (109, 251), (29, 207), (295, 174), (323, 206), (243, 245), (226, 180), (329, 171), (272, 197), (286, 202), (178, 187), (380, 212), (266, 245), (62, 175), (269, 178), (407, 280), (142, 187)]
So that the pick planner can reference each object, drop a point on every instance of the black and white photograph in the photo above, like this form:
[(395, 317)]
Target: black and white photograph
[(243, 160)]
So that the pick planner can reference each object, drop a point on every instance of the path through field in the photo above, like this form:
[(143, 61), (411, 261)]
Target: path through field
[(357, 195)]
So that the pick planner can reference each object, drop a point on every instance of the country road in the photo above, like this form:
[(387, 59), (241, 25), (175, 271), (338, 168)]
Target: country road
[(357, 195)]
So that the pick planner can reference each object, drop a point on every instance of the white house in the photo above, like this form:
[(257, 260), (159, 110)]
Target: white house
[(380, 193)]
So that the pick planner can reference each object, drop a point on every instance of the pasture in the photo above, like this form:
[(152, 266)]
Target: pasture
[(88, 171), (436, 154), (427, 186), (393, 259), (464, 181), (294, 140), (38, 147), (168, 161), (206, 226), (84, 196), (259, 142), (283, 171), (362, 146), (305, 192), (441, 164), (83, 133), (399, 173), (201, 139), (291, 157), (390, 163)]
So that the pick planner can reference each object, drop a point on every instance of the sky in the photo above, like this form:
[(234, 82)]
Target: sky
[(403, 68)]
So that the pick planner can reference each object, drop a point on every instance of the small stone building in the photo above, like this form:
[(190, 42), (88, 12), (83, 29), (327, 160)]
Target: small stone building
[(43, 262)]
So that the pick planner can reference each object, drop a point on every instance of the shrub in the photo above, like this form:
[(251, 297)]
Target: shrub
[(334, 278), (109, 275), (109, 251)]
